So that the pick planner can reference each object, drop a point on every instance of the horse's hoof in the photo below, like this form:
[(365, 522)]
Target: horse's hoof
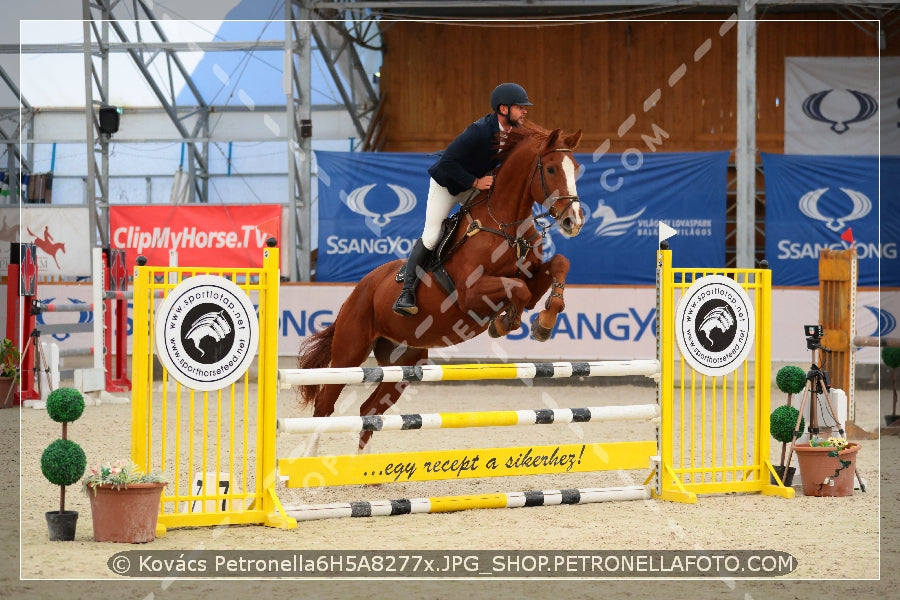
[(492, 330), (539, 332)]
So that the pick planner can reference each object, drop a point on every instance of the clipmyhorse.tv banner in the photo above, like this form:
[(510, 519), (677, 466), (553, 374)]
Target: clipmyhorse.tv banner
[(372, 209), (208, 235)]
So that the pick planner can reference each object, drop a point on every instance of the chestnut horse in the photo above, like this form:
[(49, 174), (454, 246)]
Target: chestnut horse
[(494, 259)]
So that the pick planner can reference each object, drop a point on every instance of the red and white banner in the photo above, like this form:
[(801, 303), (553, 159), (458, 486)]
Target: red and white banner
[(203, 235)]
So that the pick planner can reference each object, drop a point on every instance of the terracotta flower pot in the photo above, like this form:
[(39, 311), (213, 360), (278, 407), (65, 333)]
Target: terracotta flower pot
[(127, 514), (7, 392), (823, 475)]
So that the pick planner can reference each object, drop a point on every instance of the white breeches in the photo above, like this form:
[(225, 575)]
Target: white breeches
[(440, 203)]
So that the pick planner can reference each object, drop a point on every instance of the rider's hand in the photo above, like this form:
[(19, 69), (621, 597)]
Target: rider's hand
[(484, 183)]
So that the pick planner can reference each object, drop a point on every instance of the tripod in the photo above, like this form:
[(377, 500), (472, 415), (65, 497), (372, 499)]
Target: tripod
[(817, 385), (41, 366)]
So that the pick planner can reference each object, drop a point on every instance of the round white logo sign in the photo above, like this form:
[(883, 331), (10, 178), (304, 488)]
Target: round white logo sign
[(714, 325), (206, 332)]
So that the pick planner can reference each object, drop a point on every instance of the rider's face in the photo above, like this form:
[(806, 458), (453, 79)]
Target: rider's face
[(515, 114)]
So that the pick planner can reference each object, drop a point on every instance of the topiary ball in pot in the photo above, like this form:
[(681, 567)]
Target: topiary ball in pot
[(791, 379), (891, 357), (65, 405), (63, 462), (782, 422)]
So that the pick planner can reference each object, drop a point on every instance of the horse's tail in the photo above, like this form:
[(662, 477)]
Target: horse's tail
[(315, 353)]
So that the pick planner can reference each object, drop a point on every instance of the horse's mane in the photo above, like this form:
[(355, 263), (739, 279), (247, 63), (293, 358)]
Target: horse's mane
[(507, 142)]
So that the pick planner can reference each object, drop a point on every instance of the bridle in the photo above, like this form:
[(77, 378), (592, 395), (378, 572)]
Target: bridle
[(538, 168), (572, 198), (521, 245)]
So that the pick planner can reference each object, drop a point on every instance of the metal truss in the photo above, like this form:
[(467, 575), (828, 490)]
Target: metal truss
[(336, 31), (99, 19), (10, 129)]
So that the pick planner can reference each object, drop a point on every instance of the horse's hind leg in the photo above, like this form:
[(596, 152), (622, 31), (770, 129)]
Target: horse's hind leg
[(326, 398), (387, 393)]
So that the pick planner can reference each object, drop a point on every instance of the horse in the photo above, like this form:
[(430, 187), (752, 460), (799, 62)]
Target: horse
[(494, 259), (47, 244)]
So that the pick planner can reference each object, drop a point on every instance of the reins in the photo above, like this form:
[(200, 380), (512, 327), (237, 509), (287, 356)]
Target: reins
[(520, 244)]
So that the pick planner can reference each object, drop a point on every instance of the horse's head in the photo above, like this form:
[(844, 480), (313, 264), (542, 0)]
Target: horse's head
[(554, 183)]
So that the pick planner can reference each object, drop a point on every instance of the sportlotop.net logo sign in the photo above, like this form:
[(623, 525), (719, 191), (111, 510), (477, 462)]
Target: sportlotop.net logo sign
[(214, 236)]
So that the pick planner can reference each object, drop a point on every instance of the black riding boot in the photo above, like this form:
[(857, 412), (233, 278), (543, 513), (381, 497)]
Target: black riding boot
[(406, 303)]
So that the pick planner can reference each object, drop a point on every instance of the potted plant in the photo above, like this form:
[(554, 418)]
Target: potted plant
[(9, 370), (790, 380), (827, 467), (124, 502), (63, 461), (891, 358), (781, 426)]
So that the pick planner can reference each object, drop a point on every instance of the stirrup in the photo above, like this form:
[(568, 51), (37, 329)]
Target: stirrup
[(405, 307)]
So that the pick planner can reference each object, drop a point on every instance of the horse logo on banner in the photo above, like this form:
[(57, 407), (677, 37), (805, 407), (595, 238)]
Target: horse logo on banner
[(610, 223), (809, 206)]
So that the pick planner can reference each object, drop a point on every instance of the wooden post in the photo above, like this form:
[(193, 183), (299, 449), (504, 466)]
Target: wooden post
[(837, 295), (837, 316)]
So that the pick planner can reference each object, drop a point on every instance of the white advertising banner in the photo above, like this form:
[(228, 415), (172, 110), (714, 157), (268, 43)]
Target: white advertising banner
[(59, 232), (598, 324), (835, 105)]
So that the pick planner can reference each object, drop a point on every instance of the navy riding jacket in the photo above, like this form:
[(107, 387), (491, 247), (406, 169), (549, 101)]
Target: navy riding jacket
[(470, 156)]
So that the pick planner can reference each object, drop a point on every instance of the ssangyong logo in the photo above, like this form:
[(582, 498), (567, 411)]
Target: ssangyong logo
[(356, 201), (859, 207), (887, 322), (812, 108), (714, 325), (206, 332)]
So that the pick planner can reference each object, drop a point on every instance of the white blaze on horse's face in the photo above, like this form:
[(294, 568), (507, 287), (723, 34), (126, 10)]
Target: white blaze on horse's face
[(572, 220)]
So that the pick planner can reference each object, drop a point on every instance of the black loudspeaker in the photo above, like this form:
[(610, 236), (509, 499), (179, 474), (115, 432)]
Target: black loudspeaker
[(109, 119)]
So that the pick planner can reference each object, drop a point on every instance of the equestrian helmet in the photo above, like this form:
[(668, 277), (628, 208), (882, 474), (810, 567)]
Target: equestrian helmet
[(508, 94)]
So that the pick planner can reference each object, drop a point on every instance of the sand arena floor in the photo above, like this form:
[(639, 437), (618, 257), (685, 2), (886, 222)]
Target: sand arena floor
[(842, 545)]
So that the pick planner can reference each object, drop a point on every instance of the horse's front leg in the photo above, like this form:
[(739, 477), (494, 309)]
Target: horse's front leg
[(501, 297), (506, 322), (549, 276)]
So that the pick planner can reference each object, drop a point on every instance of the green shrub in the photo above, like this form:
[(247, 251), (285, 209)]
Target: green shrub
[(63, 462), (782, 422), (891, 357), (791, 379), (65, 405)]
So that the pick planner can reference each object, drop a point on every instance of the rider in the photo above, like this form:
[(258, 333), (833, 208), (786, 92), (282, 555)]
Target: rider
[(463, 169)]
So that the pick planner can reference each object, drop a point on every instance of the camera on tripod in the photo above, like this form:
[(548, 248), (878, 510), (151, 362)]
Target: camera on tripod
[(816, 376), (814, 337)]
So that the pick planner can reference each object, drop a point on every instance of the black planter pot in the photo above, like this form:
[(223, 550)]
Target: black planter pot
[(891, 420), (786, 478), (62, 525)]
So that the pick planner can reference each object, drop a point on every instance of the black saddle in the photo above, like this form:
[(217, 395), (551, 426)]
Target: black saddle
[(441, 252)]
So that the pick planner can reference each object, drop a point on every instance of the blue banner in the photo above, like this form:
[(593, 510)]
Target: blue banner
[(372, 209), (816, 202)]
